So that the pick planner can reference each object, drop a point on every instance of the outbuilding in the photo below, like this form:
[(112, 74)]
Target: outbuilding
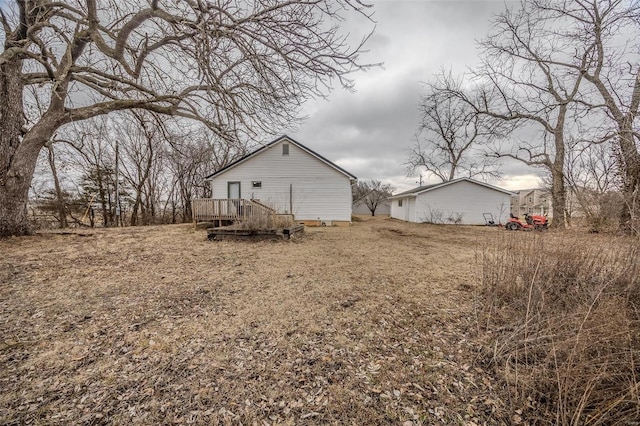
[(459, 201), (291, 179)]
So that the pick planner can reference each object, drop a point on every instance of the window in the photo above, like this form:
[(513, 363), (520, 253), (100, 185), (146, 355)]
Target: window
[(285, 149), (399, 203), (256, 184)]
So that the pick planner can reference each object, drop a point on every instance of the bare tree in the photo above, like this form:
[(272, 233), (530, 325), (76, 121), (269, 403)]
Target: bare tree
[(593, 179), (141, 140), (450, 135), (162, 167), (93, 156), (523, 82), (190, 158), (611, 27), (372, 193), (538, 62), (240, 68)]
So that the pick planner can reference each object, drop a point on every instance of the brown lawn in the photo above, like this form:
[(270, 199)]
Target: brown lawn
[(370, 324)]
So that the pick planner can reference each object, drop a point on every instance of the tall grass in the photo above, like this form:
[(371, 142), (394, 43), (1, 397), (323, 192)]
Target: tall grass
[(266, 222), (561, 318)]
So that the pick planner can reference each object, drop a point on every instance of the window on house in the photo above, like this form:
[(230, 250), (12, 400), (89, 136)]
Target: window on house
[(399, 203), (256, 184), (285, 149)]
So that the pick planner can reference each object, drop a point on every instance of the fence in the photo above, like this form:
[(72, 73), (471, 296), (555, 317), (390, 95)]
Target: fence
[(210, 209)]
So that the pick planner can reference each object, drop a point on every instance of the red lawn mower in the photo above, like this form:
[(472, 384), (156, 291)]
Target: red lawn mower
[(531, 222)]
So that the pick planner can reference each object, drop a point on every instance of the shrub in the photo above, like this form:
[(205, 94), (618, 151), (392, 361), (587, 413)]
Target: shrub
[(266, 221), (561, 316)]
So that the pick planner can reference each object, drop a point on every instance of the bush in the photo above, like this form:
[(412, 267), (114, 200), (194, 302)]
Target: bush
[(266, 221), (561, 316)]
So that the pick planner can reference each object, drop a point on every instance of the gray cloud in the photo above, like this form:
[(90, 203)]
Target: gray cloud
[(368, 132)]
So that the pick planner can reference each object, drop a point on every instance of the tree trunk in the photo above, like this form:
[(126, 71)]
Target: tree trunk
[(629, 216), (102, 197), (558, 201), (14, 188), (558, 191), (62, 211), (16, 167), (13, 208), (628, 155), (187, 213), (19, 148), (134, 209)]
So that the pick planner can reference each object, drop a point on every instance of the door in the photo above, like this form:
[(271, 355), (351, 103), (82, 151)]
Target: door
[(407, 205), (233, 190)]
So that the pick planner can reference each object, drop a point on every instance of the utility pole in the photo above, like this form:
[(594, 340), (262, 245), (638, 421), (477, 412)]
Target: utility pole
[(420, 183), (118, 222)]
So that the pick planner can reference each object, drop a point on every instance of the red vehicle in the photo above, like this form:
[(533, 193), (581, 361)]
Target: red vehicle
[(531, 222)]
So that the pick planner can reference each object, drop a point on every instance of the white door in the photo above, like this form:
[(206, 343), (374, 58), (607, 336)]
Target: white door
[(234, 190), (406, 209)]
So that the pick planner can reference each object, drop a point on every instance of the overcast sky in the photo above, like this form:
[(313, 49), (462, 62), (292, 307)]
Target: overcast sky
[(368, 132)]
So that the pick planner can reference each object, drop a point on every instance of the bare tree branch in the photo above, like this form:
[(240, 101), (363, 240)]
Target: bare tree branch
[(243, 71), (450, 134)]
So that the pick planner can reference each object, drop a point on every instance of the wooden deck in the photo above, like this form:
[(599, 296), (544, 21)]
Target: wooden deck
[(229, 210), (217, 234)]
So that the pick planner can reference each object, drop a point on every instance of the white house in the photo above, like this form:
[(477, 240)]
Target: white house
[(290, 178), (460, 201), (532, 201)]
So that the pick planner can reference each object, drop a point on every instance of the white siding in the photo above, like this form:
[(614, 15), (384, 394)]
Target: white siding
[(411, 202), (398, 212), (408, 210), (299, 182), (465, 199)]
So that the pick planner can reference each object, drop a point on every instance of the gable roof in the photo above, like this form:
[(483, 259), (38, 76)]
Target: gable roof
[(422, 189), (272, 143)]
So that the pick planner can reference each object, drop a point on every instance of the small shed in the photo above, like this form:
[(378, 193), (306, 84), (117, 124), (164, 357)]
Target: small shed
[(459, 201)]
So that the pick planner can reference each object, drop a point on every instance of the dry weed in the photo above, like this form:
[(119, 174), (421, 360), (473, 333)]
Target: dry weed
[(561, 314), (266, 222), (370, 324)]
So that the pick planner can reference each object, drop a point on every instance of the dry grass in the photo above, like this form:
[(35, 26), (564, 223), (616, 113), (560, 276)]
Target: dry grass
[(562, 315), (266, 222), (371, 324)]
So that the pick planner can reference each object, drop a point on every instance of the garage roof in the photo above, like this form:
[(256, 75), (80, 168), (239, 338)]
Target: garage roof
[(422, 189)]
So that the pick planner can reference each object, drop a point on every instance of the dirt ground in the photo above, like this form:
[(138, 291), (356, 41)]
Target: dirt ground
[(368, 324)]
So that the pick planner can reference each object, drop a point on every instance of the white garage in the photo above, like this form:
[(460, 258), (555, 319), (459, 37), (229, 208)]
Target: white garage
[(459, 201)]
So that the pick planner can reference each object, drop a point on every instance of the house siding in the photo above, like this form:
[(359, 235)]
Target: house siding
[(398, 212), (532, 201), (462, 199), (297, 183), (406, 212), (465, 200), (411, 203)]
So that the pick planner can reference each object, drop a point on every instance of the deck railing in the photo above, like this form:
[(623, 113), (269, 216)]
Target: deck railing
[(210, 209)]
